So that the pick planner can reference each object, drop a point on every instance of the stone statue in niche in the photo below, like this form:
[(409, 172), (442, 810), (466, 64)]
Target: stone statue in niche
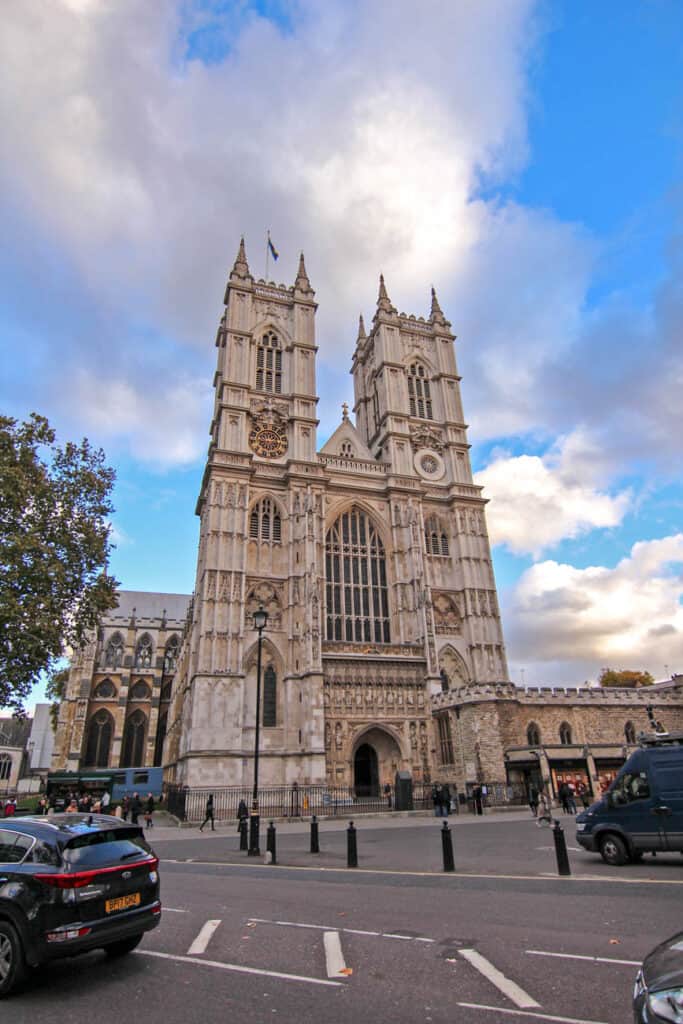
[(338, 736), (413, 735)]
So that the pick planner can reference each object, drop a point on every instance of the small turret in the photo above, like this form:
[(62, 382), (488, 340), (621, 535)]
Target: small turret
[(240, 270), (362, 336), (383, 301), (436, 314), (302, 284)]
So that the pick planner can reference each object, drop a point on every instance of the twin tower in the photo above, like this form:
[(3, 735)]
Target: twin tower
[(370, 555)]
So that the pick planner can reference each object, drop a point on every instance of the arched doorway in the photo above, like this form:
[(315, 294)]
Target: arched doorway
[(365, 771)]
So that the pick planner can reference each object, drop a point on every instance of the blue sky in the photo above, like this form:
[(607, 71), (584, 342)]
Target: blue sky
[(524, 157)]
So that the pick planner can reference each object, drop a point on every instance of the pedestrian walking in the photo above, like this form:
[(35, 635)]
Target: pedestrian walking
[(584, 795), (125, 807), (563, 793), (209, 814), (533, 799), (445, 799), (135, 808), (387, 793), (477, 796), (571, 798), (242, 814), (105, 801), (149, 811), (436, 799)]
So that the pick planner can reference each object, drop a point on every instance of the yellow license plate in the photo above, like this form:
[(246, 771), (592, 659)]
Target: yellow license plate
[(123, 902)]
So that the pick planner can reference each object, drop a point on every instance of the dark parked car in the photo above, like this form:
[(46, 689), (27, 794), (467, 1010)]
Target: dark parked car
[(658, 993), (70, 883)]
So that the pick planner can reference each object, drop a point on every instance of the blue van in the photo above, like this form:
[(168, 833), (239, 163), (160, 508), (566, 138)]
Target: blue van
[(642, 811)]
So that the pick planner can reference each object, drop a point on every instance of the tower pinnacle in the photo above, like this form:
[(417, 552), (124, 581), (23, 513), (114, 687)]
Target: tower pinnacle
[(240, 267), (383, 301), (302, 284), (436, 314)]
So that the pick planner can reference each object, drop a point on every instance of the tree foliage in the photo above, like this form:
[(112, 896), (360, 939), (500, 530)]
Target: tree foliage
[(629, 678), (54, 548), (54, 691)]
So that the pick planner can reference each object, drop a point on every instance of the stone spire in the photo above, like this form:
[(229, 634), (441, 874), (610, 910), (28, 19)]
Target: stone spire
[(240, 270), (436, 314), (362, 336), (383, 301), (302, 284)]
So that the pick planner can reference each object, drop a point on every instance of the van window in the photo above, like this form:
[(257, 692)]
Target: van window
[(140, 777), (670, 780), (629, 787)]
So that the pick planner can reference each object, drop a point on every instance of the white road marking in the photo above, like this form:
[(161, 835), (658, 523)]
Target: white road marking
[(334, 958), (237, 967), (509, 988), (525, 1013), (580, 956), (203, 939), (173, 910), (327, 928)]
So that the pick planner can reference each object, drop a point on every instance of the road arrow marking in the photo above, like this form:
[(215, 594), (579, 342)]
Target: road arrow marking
[(334, 958), (203, 939), (509, 988)]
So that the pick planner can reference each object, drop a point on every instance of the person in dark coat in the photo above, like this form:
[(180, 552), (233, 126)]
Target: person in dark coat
[(209, 814), (149, 811), (135, 808), (563, 793), (533, 799), (445, 799)]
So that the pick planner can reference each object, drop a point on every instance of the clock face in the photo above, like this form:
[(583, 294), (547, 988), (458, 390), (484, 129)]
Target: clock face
[(269, 442)]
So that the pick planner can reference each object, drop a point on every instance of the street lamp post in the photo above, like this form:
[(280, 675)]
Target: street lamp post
[(260, 621)]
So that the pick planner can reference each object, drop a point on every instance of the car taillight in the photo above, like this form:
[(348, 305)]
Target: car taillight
[(79, 879)]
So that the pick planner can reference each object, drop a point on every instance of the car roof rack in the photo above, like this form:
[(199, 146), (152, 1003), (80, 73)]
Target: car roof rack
[(661, 739)]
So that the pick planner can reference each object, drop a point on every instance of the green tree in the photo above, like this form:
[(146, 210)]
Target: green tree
[(54, 691), (625, 677), (54, 548)]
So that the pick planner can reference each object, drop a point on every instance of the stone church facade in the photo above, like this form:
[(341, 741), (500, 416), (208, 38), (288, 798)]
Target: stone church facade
[(383, 649)]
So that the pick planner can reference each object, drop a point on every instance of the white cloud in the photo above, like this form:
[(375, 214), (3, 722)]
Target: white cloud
[(566, 623), (537, 501)]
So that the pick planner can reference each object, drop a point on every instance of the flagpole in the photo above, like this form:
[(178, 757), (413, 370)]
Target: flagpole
[(267, 252)]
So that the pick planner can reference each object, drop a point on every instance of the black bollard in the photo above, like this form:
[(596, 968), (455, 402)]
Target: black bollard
[(244, 839), (270, 843), (561, 849), (315, 844), (447, 848), (351, 847)]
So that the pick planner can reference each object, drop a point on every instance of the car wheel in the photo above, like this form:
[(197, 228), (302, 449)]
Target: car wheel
[(613, 850), (11, 959), (123, 946)]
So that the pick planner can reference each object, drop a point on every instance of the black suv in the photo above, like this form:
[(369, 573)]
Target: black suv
[(70, 883)]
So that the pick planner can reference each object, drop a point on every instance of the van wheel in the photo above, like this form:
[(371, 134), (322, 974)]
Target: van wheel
[(12, 965), (123, 946), (613, 850)]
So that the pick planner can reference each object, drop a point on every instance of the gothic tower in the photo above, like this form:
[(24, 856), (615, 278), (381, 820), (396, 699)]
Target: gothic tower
[(409, 412), (260, 506)]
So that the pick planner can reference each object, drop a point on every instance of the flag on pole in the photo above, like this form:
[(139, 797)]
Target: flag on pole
[(273, 251)]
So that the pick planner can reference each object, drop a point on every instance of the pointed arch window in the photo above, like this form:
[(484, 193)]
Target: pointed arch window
[(265, 523), (356, 582), (419, 393), (346, 450), (98, 743), (269, 697), (133, 748), (565, 734), (5, 767), (105, 690), (630, 732), (171, 653), (445, 739), (144, 652), (436, 538), (113, 655), (533, 735), (269, 364)]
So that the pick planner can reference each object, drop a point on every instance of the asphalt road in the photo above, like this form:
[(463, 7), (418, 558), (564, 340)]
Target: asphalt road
[(503, 939)]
